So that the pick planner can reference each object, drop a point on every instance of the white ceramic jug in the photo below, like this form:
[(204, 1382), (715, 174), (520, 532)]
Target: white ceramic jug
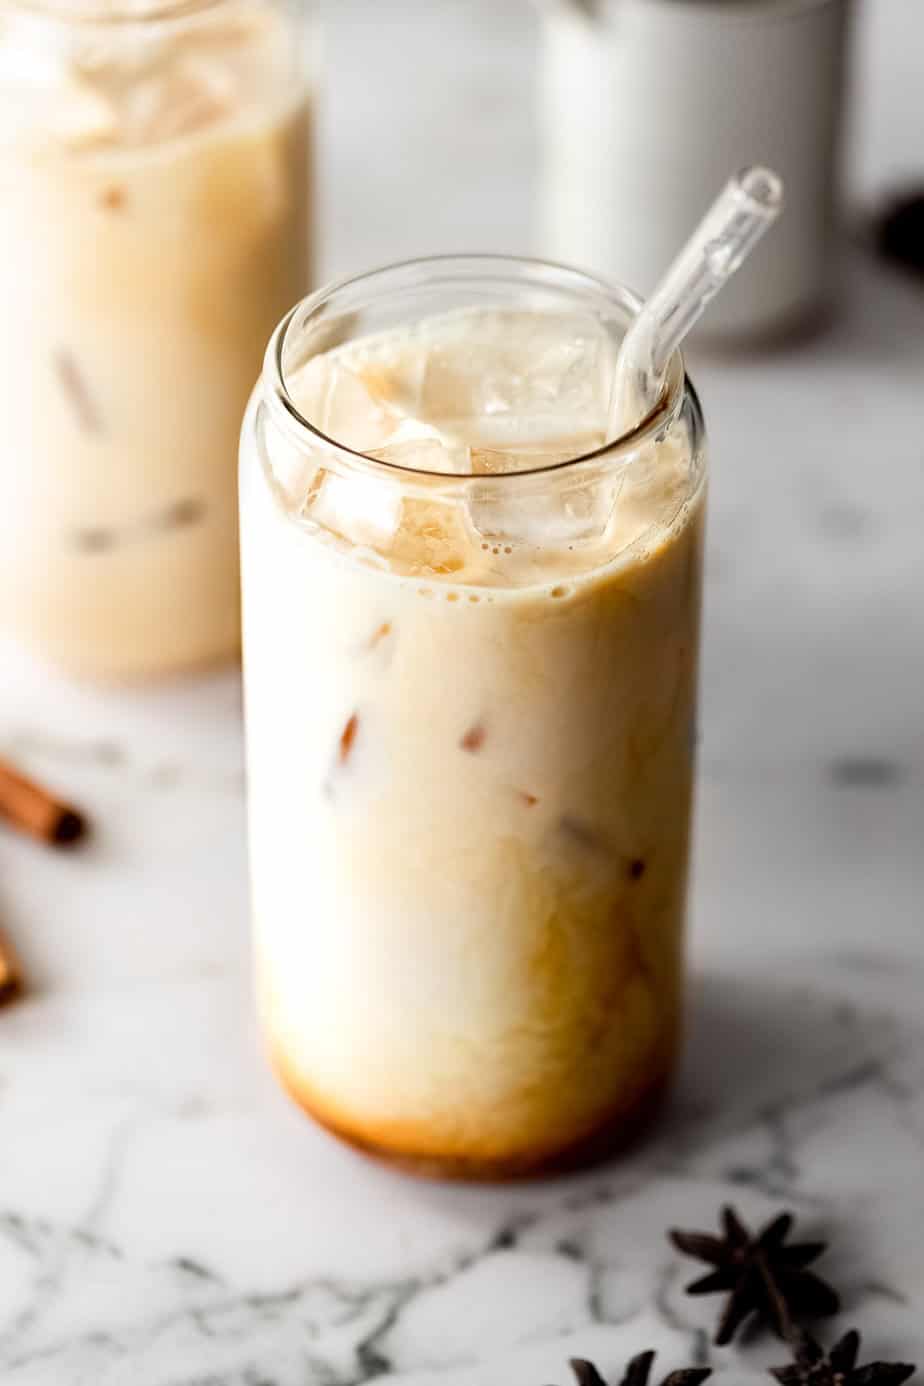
[(648, 105)]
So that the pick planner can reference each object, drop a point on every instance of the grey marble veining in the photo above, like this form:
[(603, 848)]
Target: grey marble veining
[(203, 1233), (167, 1219)]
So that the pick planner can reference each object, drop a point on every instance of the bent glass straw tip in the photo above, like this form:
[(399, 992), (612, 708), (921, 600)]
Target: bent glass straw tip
[(762, 188)]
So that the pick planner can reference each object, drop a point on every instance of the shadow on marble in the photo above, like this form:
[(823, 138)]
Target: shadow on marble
[(754, 1045), (759, 1054)]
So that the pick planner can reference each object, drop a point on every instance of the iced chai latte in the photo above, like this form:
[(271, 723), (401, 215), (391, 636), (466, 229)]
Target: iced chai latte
[(153, 190), (470, 632)]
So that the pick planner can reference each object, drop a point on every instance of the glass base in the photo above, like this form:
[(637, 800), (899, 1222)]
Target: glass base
[(115, 677), (621, 1128)]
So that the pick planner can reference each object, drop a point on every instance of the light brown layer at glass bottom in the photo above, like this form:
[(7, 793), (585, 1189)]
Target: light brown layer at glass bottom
[(394, 1144)]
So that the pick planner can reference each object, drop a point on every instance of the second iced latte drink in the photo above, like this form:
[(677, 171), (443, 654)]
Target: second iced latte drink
[(154, 190), (471, 630)]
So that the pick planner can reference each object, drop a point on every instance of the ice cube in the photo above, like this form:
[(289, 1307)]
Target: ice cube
[(433, 538), (183, 96), (351, 414), (230, 28), (418, 447), (82, 115), (297, 474), (394, 368), (415, 535), (340, 403), (479, 392), (365, 510), (530, 441), (360, 405), (548, 511), (506, 379)]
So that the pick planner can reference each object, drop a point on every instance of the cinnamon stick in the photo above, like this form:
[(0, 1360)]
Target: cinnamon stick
[(33, 809), (10, 975)]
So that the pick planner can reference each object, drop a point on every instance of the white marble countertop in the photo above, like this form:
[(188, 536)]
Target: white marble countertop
[(166, 1219)]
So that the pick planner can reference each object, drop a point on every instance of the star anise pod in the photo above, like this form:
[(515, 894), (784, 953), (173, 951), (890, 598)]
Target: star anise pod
[(763, 1276), (638, 1372), (812, 1366)]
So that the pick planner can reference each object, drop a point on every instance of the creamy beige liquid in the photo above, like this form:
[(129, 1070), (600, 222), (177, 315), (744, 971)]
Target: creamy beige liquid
[(153, 228), (469, 732)]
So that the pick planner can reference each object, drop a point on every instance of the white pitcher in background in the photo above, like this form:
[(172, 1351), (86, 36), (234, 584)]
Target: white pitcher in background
[(646, 105)]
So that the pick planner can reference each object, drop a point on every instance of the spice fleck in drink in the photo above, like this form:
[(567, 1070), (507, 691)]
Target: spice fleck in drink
[(471, 627)]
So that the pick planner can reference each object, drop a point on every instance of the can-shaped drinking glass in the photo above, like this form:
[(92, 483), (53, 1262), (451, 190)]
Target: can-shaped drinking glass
[(470, 645)]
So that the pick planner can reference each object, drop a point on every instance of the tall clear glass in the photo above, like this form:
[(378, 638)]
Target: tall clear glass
[(470, 703), (154, 207)]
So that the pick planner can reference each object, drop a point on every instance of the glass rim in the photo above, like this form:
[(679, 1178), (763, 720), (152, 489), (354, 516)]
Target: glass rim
[(658, 418)]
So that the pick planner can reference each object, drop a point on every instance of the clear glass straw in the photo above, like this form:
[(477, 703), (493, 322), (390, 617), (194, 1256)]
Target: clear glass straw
[(746, 207)]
